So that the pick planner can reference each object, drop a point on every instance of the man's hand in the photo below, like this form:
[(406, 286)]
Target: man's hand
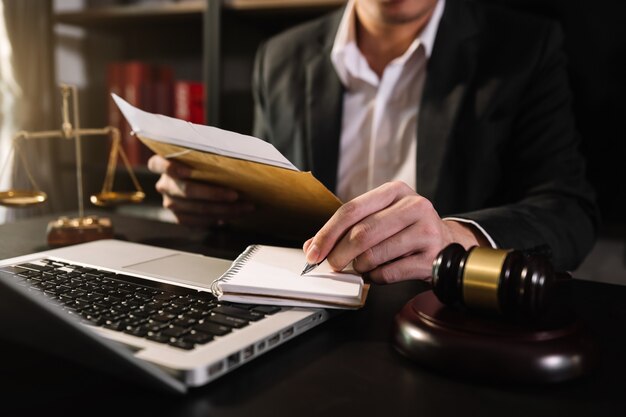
[(195, 203), (391, 233)]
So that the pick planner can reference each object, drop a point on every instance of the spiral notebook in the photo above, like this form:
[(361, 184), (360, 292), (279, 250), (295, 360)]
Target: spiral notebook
[(265, 274)]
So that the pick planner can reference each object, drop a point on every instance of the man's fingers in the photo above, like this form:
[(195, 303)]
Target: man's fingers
[(305, 246), (194, 190), (413, 239), (384, 235), (203, 191), (418, 266), (366, 234), (160, 165), (350, 214), (157, 164)]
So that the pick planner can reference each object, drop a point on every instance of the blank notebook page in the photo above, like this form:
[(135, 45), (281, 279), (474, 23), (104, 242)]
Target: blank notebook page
[(270, 270)]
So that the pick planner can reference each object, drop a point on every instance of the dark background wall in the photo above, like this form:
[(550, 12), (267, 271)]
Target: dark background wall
[(595, 43)]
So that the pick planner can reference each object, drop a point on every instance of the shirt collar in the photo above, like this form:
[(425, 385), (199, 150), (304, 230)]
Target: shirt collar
[(345, 47)]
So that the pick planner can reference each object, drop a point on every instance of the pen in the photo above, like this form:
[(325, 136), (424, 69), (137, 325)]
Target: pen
[(309, 267)]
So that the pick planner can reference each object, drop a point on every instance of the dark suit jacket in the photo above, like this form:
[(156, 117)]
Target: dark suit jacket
[(496, 140)]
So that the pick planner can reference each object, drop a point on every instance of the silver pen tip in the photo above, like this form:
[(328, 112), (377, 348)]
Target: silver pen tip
[(307, 268)]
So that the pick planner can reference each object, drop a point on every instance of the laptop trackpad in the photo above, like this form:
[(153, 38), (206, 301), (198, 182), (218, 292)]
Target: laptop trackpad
[(183, 268)]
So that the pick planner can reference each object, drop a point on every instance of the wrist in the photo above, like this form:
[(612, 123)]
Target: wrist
[(465, 234)]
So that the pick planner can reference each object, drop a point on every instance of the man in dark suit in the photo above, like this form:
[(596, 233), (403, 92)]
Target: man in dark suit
[(471, 102)]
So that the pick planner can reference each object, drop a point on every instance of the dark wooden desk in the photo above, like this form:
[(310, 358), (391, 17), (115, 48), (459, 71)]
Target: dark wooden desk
[(345, 367)]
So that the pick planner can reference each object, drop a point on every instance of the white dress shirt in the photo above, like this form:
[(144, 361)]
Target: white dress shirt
[(379, 129), (378, 140)]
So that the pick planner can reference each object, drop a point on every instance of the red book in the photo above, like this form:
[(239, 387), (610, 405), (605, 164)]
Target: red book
[(189, 101), (163, 91)]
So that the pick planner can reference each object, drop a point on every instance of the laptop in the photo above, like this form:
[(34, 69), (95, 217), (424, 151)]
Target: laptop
[(140, 312)]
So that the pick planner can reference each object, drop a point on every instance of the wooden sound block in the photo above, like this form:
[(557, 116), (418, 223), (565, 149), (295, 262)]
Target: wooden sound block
[(491, 348), (70, 231)]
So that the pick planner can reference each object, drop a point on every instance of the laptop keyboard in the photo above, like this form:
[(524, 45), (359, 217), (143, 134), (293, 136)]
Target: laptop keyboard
[(163, 313)]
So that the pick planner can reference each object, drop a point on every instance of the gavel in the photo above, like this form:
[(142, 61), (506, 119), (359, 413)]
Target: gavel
[(496, 314), (513, 283)]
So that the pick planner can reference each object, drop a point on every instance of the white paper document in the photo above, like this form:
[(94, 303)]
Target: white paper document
[(204, 138)]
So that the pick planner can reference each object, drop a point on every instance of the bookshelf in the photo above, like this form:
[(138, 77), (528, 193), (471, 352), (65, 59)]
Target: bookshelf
[(205, 34)]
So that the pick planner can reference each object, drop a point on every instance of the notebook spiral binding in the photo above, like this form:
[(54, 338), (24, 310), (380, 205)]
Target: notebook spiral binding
[(234, 269)]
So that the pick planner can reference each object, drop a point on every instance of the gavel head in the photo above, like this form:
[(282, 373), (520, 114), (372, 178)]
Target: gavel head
[(505, 281)]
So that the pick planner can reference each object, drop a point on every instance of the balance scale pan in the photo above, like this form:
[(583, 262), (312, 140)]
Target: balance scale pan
[(22, 198)]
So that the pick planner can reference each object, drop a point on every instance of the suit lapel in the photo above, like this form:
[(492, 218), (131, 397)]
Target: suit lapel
[(324, 105), (449, 70)]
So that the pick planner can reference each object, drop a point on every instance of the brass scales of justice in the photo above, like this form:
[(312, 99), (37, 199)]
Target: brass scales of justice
[(71, 230)]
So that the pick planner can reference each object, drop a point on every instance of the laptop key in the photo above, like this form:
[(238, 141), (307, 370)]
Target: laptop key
[(63, 289), (35, 267), (181, 344), (85, 270), (94, 320), (155, 305), (35, 285), (141, 313), (155, 326), (132, 322), (69, 303), (32, 274), (67, 299), (89, 298), (267, 310), (112, 299), (120, 308), (175, 310), (184, 322), (113, 325), (143, 295), (182, 301), (196, 315), (197, 338), (227, 320), (51, 292), (174, 331), (92, 275), (164, 317), (73, 284), (165, 297), (197, 306), (12, 269), (156, 337), (239, 313), (46, 276), (139, 331), (112, 322), (131, 303), (212, 328)]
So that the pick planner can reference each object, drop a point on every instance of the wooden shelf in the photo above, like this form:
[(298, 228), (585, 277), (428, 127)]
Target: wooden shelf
[(99, 16), (267, 5)]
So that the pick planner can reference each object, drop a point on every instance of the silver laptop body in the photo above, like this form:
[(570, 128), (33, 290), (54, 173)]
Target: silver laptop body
[(30, 316)]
